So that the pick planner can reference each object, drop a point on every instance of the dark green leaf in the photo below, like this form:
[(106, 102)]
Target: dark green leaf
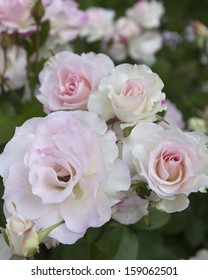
[(155, 220)]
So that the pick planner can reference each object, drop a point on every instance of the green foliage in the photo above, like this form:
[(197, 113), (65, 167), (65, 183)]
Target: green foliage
[(10, 119), (155, 219)]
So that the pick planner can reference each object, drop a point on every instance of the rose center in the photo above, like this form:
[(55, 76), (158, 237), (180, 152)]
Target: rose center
[(133, 88), (72, 85), (64, 178)]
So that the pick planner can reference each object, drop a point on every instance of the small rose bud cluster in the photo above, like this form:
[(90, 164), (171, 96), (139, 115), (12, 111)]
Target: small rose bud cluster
[(99, 153), (38, 26), (136, 34)]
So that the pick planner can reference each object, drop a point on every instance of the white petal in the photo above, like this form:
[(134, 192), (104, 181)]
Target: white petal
[(119, 180), (180, 203), (131, 210), (100, 104)]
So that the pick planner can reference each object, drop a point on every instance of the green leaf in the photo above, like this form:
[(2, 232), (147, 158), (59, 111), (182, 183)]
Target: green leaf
[(7, 108), (155, 220), (77, 251), (4, 235), (45, 28), (9, 121), (195, 232), (97, 253), (153, 247), (119, 243), (7, 126), (32, 108), (178, 223)]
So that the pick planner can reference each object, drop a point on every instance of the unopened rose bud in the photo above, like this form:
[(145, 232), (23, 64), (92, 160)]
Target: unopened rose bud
[(23, 238), (38, 11)]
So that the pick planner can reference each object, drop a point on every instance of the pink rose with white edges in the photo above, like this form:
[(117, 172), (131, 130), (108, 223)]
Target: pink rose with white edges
[(171, 162), (15, 15), (132, 93), (63, 167), (68, 79)]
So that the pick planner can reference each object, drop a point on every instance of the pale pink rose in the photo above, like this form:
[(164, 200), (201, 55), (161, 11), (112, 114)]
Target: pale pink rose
[(173, 116), (15, 16), (66, 19), (132, 93), (63, 167), (126, 29), (130, 209), (67, 79), (145, 46), (99, 24), (146, 14), (173, 163), (13, 69)]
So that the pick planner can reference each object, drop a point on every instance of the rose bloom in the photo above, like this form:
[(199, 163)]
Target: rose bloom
[(146, 14), (172, 163), (15, 15), (66, 19), (67, 79), (13, 69), (145, 46), (99, 24), (126, 29), (132, 93), (63, 167), (22, 236)]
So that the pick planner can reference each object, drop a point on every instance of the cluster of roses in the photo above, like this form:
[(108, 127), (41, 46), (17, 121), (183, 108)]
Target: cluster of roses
[(135, 34), (99, 153)]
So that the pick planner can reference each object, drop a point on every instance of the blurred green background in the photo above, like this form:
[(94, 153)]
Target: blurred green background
[(162, 236)]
